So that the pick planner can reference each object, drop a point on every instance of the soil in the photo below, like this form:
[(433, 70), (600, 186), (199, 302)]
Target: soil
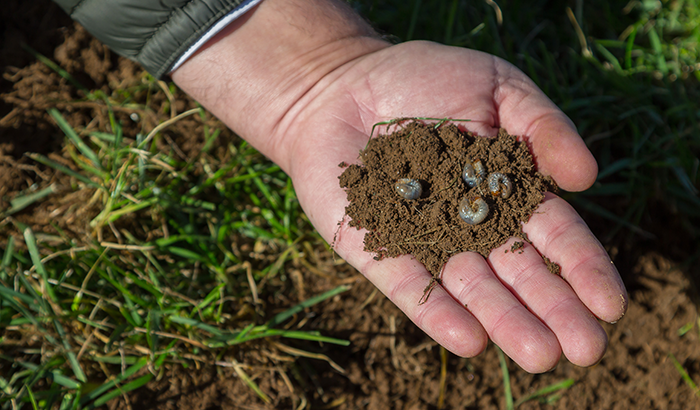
[(390, 363), (430, 227)]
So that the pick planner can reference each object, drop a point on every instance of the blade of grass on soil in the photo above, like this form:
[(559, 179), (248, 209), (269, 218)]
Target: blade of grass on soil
[(256, 332), (23, 201), (63, 73), (564, 384), (506, 379), (33, 249), (55, 165), (75, 139), (684, 375), (247, 380)]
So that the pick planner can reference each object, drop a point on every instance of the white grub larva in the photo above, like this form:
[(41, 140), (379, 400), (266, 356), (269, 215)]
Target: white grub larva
[(473, 173), (408, 188), (499, 184), (473, 210)]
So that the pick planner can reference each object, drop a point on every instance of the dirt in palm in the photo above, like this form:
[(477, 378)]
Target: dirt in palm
[(430, 227)]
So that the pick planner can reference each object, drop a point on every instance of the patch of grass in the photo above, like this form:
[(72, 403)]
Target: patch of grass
[(183, 258)]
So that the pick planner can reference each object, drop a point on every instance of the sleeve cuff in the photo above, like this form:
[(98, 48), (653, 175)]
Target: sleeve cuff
[(214, 30), (159, 35)]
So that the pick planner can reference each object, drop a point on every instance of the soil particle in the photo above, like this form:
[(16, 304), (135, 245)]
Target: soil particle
[(430, 227), (518, 246), (552, 266)]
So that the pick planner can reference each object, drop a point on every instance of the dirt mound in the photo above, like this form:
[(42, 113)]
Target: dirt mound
[(430, 227)]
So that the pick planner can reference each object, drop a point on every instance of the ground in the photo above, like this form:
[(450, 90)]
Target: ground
[(390, 363)]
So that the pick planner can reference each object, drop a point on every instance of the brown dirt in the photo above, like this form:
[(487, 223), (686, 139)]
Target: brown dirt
[(430, 227), (391, 363)]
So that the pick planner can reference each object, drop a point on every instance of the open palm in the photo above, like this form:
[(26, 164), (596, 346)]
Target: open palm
[(530, 313)]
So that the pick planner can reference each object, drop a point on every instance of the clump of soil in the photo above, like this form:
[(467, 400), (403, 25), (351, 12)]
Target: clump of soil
[(430, 228)]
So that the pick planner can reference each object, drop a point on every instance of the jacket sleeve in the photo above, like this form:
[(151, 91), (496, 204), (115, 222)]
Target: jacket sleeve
[(158, 34)]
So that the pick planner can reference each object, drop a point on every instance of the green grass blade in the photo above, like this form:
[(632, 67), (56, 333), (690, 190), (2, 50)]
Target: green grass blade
[(33, 249), (247, 380), (75, 365), (72, 359), (414, 19), (313, 336), (242, 334), (686, 328), (564, 384), (11, 295), (21, 202), (75, 139), (65, 381), (629, 46), (608, 56), (60, 71), (113, 216), (58, 377), (213, 295), (7, 257), (186, 253), (276, 320), (31, 397), (684, 375), (602, 212), (615, 167), (37, 300), (133, 385), (655, 43), (118, 379), (116, 359), (55, 165), (195, 323), (70, 402), (506, 379)]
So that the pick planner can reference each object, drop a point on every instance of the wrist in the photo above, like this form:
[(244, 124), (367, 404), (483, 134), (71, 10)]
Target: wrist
[(255, 73)]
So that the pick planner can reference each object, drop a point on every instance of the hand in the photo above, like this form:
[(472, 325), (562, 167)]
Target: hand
[(530, 313), (326, 117)]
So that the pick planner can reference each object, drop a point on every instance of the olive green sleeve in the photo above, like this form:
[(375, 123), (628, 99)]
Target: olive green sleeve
[(158, 34)]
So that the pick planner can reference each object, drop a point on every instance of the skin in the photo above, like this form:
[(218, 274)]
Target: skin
[(304, 81)]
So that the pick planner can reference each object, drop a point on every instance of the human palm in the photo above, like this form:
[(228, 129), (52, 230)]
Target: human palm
[(513, 299)]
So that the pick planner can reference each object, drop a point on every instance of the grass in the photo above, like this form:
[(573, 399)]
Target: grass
[(86, 321)]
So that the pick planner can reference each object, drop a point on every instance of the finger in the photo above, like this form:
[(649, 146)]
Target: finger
[(520, 334), (403, 280), (559, 151), (548, 296), (559, 233)]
